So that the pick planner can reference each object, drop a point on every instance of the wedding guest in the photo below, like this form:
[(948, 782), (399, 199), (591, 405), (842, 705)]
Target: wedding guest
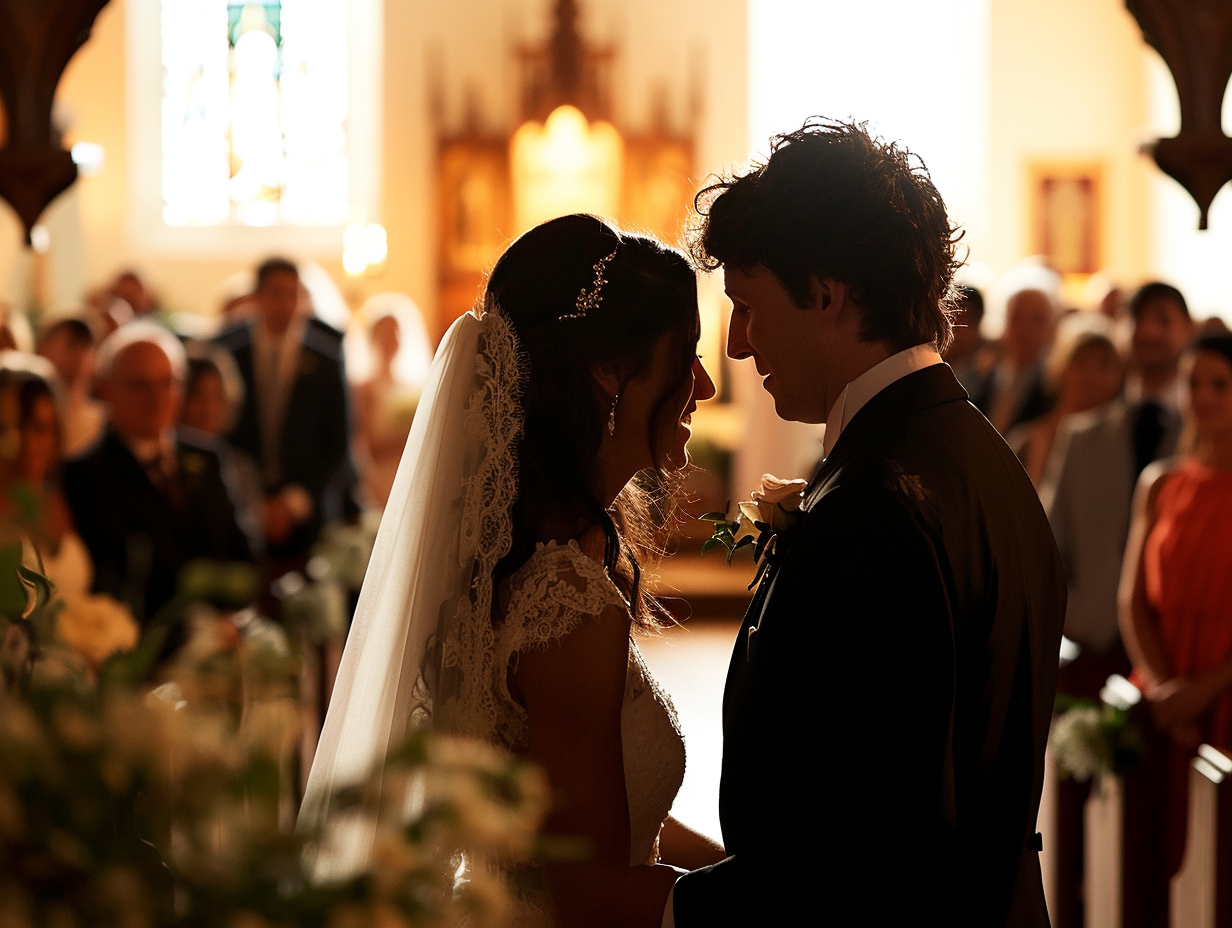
[(1089, 480), (33, 479), (1103, 295), (213, 389), (1084, 371), (970, 354), (129, 287), (149, 498), (1014, 392), (1087, 490), (15, 334), (1176, 592), (213, 393), (1213, 325), (294, 421), (400, 355), (68, 343)]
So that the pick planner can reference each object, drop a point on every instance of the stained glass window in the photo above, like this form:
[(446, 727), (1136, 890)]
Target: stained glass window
[(254, 112)]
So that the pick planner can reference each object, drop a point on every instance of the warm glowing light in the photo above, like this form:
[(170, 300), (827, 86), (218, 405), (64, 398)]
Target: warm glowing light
[(364, 248), (566, 165), (40, 239), (89, 157)]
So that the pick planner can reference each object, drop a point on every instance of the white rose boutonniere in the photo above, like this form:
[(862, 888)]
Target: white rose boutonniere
[(772, 510)]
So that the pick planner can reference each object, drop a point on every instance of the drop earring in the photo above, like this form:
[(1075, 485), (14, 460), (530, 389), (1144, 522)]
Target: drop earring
[(611, 419)]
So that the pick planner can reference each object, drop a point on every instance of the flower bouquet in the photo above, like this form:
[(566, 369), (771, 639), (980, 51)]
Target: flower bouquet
[(1101, 739)]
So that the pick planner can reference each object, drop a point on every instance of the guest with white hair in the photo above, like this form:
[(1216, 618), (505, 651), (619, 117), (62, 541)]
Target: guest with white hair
[(148, 498), (1015, 391)]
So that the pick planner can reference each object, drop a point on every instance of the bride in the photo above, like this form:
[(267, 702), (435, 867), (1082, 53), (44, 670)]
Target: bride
[(504, 587)]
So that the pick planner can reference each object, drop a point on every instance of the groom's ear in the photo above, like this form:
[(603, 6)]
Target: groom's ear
[(827, 295)]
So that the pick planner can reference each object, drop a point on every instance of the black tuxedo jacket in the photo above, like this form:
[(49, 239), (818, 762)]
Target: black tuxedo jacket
[(137, 536), (315, 446), (890, 692)]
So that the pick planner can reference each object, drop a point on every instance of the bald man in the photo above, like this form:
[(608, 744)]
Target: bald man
[(148, 498), (1015, 392)]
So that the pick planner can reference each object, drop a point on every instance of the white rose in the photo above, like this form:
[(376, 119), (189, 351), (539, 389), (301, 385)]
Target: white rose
[(775, 502)]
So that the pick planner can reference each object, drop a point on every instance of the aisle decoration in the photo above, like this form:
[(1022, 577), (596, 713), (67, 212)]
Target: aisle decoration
[(132, 805), (1098, 739)]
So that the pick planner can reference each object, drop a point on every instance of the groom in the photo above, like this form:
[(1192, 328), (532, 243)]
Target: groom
[(890, 692)]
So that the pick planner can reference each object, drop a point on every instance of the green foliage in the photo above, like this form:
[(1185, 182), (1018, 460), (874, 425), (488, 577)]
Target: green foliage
[(1093, 739), (726, 534)]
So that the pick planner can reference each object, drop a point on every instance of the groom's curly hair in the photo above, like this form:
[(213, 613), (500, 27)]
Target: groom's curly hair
[(833, 201)]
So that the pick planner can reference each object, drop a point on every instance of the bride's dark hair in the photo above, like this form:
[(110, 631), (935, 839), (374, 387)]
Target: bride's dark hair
[(649, 291)]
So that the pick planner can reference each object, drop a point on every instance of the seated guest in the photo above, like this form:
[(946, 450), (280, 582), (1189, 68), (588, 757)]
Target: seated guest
[(1084, 371), (293, 421), (1014, 392), (213, 392), (34, 473), (68, 343), (1176, 590), (148, 499), (129, 287)]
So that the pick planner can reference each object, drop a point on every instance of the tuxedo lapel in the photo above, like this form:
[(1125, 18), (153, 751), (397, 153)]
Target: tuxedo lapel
[(914, 393)]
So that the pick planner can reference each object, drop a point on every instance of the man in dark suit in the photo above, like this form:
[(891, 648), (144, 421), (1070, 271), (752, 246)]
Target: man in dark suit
[(148, 498), (891, 688), (1014, 392), (293, 422)]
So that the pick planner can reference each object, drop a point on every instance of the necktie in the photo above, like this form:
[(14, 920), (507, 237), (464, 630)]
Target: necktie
[(166, 483), (1148, 433), (269, 398)]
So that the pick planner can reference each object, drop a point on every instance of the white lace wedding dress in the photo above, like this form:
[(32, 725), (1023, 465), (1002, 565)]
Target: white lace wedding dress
[(551, 595), (425, 612)]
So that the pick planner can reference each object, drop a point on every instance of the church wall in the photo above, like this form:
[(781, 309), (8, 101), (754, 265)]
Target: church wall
[(1067, 83)]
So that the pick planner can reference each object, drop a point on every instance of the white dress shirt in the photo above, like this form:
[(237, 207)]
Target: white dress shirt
[(275, 367), (855, 396), (857, 393), (1171, 398)]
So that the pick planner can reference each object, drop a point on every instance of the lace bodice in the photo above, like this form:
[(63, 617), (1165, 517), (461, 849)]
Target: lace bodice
[(551, 595)]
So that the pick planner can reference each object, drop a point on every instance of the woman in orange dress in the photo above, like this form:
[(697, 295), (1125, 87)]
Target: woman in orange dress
[(1176, 603)]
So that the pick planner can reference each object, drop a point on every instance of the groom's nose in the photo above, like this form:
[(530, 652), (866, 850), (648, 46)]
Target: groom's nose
[(738, 335)]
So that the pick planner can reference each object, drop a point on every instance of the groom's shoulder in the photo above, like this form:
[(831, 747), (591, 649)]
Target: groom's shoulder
[(871, 493)]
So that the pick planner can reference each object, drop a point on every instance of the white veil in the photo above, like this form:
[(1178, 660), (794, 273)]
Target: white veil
[(422, 625)]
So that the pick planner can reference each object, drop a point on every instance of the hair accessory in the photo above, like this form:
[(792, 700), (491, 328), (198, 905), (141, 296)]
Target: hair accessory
[(590, 299), (611, 419)]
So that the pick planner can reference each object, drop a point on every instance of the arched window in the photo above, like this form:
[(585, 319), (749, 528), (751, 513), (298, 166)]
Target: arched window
[(254, 124)]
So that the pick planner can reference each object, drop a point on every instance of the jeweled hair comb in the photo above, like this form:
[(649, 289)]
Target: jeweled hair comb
[(590, 299)]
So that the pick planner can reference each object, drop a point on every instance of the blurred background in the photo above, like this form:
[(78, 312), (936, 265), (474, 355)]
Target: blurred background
[(384, 152)]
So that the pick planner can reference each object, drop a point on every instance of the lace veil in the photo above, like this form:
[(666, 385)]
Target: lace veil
[(422, 631)]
